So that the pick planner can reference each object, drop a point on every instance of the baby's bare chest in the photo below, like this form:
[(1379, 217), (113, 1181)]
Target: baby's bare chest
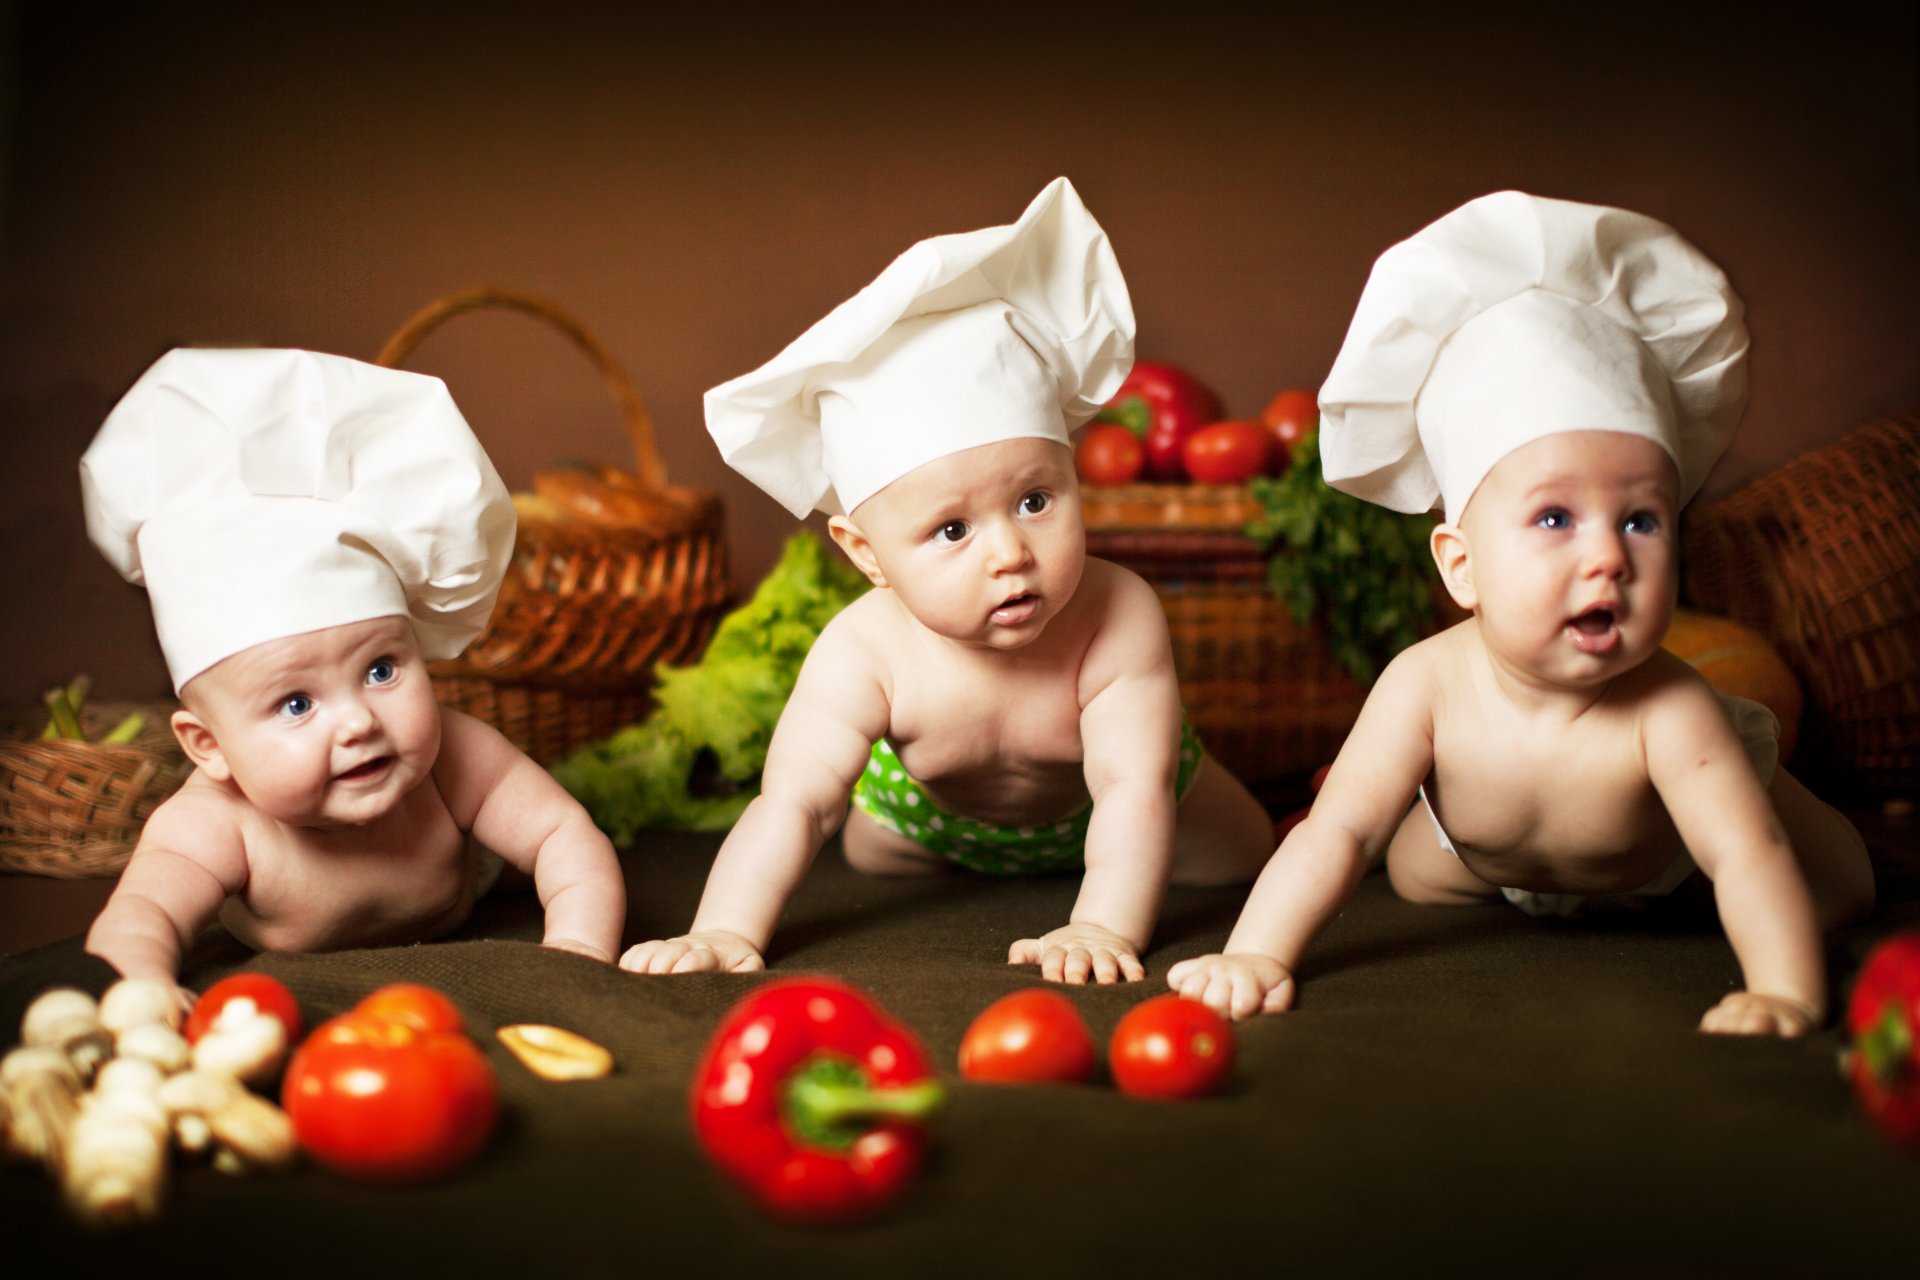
[(401, 880), (946, 725), (1576, 796)]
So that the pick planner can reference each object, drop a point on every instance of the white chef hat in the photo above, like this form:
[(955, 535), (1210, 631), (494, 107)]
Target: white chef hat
[(964, 340), (259, 494), (1516, 317)]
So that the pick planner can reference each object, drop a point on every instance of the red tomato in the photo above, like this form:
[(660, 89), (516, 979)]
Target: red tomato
[(1171, 1047), (267, 995), (1228, 453), (1291, 416), (1030, 1037), (380, 1100), (1109, 454), (416, 1006)]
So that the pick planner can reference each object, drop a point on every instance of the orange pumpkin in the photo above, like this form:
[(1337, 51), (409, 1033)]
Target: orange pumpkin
[(1740, 661)]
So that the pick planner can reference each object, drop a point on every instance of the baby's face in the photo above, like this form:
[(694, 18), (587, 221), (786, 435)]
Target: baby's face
[(328, 728), (985, 546), (1572, 550)]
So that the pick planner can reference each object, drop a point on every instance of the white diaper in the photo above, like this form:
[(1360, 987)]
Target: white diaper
[(1759, 732)]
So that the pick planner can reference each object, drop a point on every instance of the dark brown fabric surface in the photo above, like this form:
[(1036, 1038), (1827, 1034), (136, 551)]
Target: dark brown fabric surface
[(1460, 1090)]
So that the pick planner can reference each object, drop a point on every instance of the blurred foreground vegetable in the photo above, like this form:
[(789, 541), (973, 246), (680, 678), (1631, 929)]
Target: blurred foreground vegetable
[(695, 762), (814, 1102)]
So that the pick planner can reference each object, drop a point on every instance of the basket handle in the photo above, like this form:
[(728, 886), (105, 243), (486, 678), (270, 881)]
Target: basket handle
[(646, 454)]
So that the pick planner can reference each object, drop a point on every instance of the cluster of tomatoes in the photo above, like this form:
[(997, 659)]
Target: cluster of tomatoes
[(1163, 424), (393, 1090)]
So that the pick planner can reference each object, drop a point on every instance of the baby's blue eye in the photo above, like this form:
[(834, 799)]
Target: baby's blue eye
[(1554, 518), (950, 532), (1643, 522), (382, 671), (294, 705), (1034, 503)]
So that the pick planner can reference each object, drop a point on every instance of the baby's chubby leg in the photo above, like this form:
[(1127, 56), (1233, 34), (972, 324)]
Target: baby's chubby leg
[(876, 851), (1221, 834), (1422, 872), (1832, 856)]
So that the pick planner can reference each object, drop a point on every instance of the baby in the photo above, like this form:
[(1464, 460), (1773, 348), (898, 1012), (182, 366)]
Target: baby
[(1561, 376), (311, 531), (999, 701)]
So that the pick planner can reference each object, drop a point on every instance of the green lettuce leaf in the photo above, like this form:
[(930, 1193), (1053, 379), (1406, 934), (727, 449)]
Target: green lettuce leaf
[(694, 763)]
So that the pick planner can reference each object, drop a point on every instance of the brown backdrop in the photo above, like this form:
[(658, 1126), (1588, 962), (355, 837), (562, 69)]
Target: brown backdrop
[(700, 182)]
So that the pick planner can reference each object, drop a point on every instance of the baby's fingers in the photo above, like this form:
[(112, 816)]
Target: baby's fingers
[(1025, 951)]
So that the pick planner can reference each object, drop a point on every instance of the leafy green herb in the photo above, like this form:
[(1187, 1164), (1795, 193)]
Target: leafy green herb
[(694, 763), (1361, 568)]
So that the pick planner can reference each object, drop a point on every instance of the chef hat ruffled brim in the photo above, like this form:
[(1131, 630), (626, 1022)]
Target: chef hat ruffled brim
[(259, 494), (1516, 317), (995, 334)]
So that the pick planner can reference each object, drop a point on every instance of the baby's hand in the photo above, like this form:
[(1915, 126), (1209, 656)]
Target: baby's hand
[(1238, 985), (1074, 952), (1748, 1013), (713, 951)]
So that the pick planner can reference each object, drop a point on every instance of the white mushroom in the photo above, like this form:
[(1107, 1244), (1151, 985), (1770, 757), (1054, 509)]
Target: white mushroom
[(156, 1042), (134, 1002), (244, 1043), (43, 1093)]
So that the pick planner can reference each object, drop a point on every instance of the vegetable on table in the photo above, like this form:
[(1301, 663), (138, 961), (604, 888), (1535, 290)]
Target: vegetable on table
[(1171, 1047), (1035, 1036), (1883, 1029), (389, 1092), (814, 1102), (1163, 404)]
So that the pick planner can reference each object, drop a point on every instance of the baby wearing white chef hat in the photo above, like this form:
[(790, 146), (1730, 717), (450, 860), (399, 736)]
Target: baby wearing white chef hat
[(998, 701), (1558, 378), (312, 531)]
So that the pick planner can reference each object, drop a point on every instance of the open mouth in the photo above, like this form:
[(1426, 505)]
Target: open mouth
[(1015, 610), (367, 771), (1596, 630)]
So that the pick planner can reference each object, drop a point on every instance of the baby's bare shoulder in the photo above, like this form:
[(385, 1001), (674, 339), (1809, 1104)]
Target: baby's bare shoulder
[(207, 824)]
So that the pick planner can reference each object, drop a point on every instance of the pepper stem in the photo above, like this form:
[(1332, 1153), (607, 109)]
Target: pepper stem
[(831, 1102), (1888, 1045)]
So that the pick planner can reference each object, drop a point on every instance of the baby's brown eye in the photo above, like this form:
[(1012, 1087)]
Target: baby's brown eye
[(950, 532), (1034, 503)]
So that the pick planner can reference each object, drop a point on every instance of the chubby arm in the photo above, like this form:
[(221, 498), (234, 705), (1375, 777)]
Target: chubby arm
[(1715, 799), (1130, 736), (515, 808), (1366, 794), (190, 859), (837, 711)]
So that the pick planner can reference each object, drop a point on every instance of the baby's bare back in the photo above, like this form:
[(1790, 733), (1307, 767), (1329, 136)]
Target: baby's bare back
[(1540, 799), (407, 878)]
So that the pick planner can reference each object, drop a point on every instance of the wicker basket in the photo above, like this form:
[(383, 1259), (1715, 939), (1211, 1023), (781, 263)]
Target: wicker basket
[(1262, 691), (1823, 557), (74, 810), (586, 609)]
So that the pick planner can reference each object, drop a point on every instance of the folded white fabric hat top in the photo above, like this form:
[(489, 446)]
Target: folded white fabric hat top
[(1516, 317), (259, 494), (998, 334)]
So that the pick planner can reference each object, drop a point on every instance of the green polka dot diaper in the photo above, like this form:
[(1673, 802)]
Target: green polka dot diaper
[(891, 797)]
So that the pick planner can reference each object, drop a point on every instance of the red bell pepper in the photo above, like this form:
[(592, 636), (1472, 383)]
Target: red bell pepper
[(813, 1101), (1163, 405), (1883, 1022)]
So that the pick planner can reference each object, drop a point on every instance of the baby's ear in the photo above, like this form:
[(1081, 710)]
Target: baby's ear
[(197, 740), (1455, 560), (847, 536)]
